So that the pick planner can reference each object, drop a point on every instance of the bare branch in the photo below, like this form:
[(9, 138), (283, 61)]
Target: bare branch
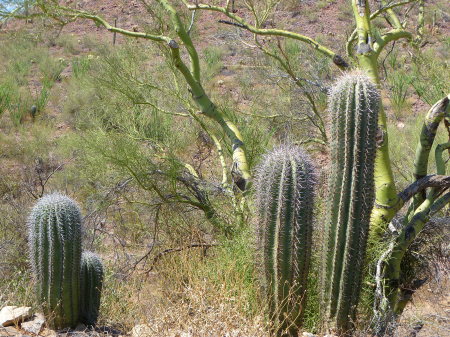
[(241, 23), (439, 181), (178, 249)]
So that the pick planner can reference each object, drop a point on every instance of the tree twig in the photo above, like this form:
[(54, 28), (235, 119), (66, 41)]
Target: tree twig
[(178, 249)]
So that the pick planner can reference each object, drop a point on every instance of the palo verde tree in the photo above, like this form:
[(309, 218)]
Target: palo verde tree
[(364, 47), (429, 193)]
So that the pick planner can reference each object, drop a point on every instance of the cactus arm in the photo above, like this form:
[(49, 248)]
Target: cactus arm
[(240, 22)]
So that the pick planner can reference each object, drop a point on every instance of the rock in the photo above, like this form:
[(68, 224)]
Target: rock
[(81, 327), (220, 82), (308, 334), (185, 334), (8, 331), (48, 333), (13, 315), (34, 325), (11, 332), (141, 330)]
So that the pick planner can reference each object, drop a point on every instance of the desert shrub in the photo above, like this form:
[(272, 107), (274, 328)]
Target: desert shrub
[(427, 76), (28, 77)]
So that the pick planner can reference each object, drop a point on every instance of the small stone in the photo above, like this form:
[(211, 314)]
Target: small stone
[(34, 325), (49, 333), (185, 334), (400, 125), (8, 331), (13, 315), (81, 327), (308, 334), (220, 82), (141, 330)]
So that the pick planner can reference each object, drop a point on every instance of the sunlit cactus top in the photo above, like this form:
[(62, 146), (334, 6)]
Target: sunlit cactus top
[(341, 94)]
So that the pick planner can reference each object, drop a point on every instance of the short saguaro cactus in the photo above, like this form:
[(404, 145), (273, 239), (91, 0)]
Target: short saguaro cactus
[(91, 287), (55, 249), (285, 192)]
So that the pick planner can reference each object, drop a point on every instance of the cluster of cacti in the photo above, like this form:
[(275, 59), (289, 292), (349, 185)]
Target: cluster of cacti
[(285, 189), (353, 104), (285, 192), (55, 253)]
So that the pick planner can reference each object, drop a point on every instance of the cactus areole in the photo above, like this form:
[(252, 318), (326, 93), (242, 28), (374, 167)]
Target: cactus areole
[(353, 104), (55, 254), (285, 191)]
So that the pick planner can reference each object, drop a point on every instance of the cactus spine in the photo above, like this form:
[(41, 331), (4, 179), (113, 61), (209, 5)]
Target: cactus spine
[(91, 287), (55, 247), (285, 191), (353, 104)]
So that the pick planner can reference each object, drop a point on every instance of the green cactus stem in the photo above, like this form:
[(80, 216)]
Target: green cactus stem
[(285, 192), (91, 287), (55, 249), (353, 104)]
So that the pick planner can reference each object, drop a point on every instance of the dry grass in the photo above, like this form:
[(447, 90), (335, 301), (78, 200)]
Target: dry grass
[(187, 292)]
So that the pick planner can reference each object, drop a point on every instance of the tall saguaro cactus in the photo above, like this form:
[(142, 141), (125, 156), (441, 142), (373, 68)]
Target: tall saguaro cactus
[(55, 246), (285, 191), (91, 287), (353, 105)]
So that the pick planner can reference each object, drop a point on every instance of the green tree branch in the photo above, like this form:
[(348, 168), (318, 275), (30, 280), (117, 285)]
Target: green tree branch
[(240, 170), (240, 22)]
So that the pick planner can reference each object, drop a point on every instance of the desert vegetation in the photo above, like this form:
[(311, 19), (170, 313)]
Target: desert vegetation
[(239, 168)]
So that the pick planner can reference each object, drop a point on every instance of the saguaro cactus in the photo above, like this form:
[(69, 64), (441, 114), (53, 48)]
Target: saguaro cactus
[(353, 104), (55, 247), (285, 191), (91, 287)]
